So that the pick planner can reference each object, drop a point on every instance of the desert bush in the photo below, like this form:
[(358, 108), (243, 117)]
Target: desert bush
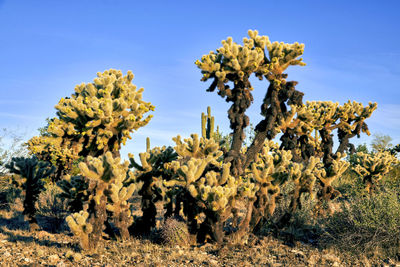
[(52, 208), (367, 225), (10, 190), (50, 203)]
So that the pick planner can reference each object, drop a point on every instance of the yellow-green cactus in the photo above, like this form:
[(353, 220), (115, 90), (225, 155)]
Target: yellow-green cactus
[(149, 176), (53, 150), (326, 175), (207, 124), (197, 147), (303, 177), (118, 196), (372, 167), (243, 60), (268, 173), (203, 184), (106, 176), (100, 116), (80, 227)]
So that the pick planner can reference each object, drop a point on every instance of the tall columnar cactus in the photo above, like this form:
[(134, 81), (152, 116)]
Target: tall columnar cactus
[(207, 124), (372, 167), (151, 173), (105, 177), (33, 171)]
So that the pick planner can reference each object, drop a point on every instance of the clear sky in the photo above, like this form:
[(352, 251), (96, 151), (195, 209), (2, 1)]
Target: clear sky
[(352, 52)]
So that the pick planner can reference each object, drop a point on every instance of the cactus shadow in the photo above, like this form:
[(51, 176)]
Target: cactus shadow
[(16, 222), (15, 238)]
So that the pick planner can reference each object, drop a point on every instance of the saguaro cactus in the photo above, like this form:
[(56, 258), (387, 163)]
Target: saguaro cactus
[(207, 124), (33, 171)]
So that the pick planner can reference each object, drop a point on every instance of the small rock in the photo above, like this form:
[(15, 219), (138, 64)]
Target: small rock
[(331, 258), (40, 252), (69, 254), (312, 261), (298, 252), (77, 257), (53, 259), (6, 254), (213, 262)]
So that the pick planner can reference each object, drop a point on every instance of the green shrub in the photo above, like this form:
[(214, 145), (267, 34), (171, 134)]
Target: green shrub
[(369, 225)]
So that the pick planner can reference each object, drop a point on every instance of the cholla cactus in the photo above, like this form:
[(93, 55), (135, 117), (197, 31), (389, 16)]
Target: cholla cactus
[(304, 178), (204, 186), (150, 174), (311, 164), (98, 117), (236, 63), (78, 224), (269, 173), (323, 117), (326, 174), (74, 189), (33, 171), (118, 196), (54, 151), (105, 177), (372, 167)]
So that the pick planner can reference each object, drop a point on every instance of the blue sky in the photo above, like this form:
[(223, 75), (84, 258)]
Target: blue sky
[(47, 47)]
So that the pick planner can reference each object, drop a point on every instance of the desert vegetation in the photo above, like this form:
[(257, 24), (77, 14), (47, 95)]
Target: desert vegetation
[(291, 190)]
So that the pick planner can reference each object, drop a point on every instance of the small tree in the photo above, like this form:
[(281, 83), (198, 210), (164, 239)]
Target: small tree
[(381, 142)]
